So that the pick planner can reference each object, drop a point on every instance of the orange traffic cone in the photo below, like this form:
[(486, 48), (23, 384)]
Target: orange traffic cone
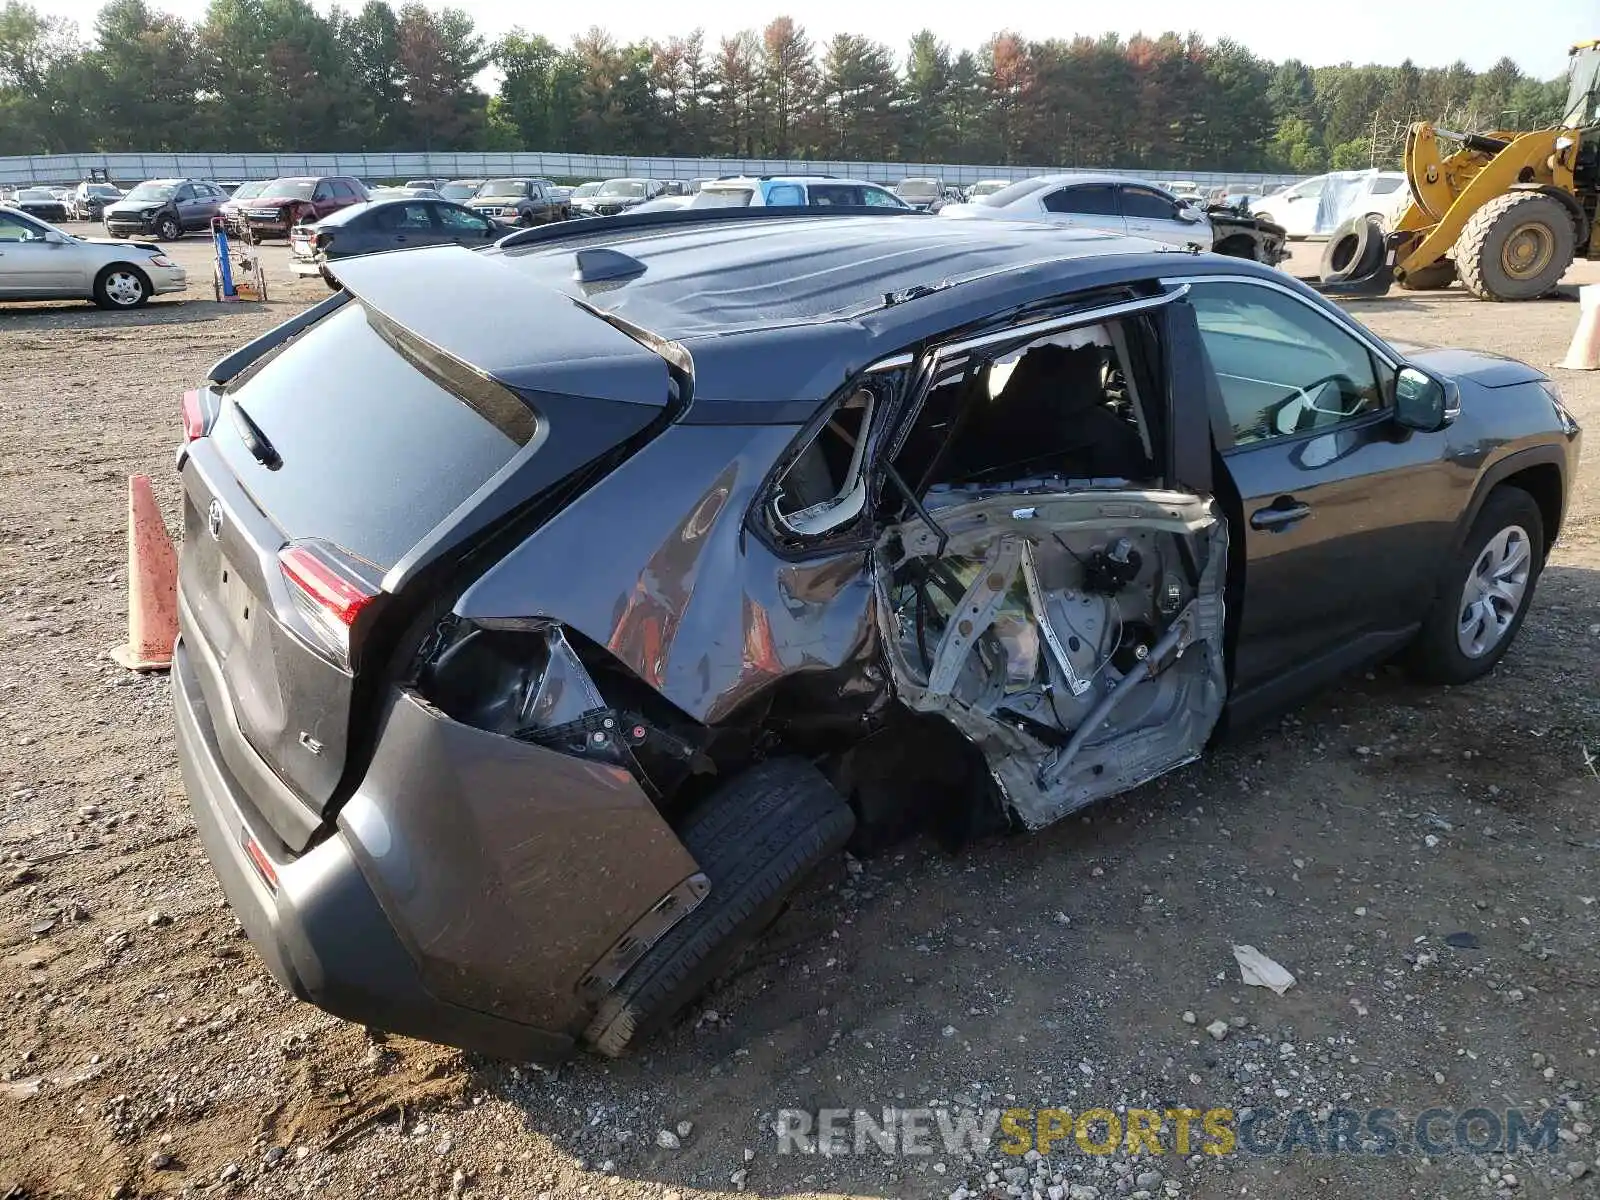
[(152, 584), (1584, 353)]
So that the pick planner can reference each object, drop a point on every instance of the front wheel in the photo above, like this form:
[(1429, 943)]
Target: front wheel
[(168, 229), (1484, 593), (121, 286)]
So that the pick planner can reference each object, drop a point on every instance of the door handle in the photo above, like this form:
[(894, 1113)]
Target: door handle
[(1279, 515)]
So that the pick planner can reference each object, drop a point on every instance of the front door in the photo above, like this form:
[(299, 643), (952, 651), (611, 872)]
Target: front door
[(31, 266), (1346, 514), (1152, 215)]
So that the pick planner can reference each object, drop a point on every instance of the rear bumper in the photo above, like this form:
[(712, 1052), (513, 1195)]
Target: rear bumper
[(322, 933), (305, 267)]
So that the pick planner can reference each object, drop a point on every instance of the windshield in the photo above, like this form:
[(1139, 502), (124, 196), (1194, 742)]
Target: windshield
[(721, 197), (1583, 88), (919, 187), (458, 191), (1015, 192), (984, 189), (584, 189), (102, 189), (504, 187), (246, 190), (627, 188), (292, 189), (153, 191)]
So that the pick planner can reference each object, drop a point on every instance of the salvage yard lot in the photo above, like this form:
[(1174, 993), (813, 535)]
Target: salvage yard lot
[(143, 1048)]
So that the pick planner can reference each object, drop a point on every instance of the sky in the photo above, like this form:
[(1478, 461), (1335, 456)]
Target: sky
[(1534, 33)]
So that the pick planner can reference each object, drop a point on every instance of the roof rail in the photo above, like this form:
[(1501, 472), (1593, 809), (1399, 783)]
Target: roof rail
[(560, 231)]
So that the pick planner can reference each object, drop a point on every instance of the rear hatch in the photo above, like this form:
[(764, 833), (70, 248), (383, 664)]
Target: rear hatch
[(385, 439)]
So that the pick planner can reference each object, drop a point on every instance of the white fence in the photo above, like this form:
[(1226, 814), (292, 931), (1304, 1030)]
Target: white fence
[(130, 168)]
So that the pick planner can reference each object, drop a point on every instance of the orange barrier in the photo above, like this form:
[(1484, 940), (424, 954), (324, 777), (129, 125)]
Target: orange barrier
[(152, 584), (1584, 353)]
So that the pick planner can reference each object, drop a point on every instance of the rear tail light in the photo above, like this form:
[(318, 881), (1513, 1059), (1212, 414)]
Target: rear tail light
[(194, 416), (328, 591), (259, 860), (324, 240)]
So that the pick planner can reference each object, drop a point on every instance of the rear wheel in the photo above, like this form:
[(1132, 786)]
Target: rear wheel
[(1484, 593), (121, 286), (1430, 278), (757, 838), (1516, 247)]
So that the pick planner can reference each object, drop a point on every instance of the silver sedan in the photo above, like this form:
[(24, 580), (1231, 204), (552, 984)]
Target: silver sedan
[(40, 262)]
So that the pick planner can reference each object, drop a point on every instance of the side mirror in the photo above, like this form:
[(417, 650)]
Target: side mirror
[(1188, 214), (55, 238), (1422, 402)]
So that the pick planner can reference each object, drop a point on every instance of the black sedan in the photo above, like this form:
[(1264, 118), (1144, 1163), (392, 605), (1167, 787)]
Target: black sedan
[(403, 223), (42, 203), (607, 583)]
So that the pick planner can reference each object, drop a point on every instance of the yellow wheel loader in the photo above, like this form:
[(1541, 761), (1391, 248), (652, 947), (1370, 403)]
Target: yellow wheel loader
[(1505, 212)]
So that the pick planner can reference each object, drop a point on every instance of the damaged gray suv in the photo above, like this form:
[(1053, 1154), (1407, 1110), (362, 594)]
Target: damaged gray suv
[(536, 645)]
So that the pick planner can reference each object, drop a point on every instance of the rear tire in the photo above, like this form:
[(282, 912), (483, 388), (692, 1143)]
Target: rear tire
[(757, 838), (1469, 629), (1516, 247), (1354, 250), (1430, 278)]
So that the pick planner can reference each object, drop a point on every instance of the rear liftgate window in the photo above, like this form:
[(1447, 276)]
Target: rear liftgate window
[(1055, 599)]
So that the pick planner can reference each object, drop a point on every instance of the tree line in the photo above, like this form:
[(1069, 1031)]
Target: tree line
[(276, 75)]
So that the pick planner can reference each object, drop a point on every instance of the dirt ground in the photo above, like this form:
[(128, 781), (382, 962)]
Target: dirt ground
[(145, 1052)]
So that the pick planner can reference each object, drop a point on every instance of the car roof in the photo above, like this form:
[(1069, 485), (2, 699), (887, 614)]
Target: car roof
[(775, 308), (746, 180), (350, 212)]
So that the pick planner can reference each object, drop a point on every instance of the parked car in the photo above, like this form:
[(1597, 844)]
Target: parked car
[(921, 194), (299, 200), (406, 192), (42, 203), (571, 693), (1380, 196), (40, 262), (232, 209), (90, 198), (460, 190), (1119, 205), (520, 201), (400, 223), (985, 187), (167, 208), (430, 185), (814, 191), (578, 199), (663, 204), (618, 195)]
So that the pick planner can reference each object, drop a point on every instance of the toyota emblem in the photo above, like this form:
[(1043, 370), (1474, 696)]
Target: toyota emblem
[(214, 518)]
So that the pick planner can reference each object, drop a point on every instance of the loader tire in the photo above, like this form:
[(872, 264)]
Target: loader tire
[(1516, 247), (1430, 278), (1354, 250), (757, 838)]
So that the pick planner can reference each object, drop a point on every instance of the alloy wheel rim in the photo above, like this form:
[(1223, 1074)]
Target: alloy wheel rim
[(1496, 586), (124, 288)]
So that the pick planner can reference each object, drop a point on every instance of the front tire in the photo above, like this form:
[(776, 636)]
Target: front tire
[(121, 286), (1430, 278), (1484, 593), (168, 229), (1516, 247), (757, 837)]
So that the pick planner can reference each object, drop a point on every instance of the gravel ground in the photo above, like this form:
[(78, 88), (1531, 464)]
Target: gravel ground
[(144, 1051)]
